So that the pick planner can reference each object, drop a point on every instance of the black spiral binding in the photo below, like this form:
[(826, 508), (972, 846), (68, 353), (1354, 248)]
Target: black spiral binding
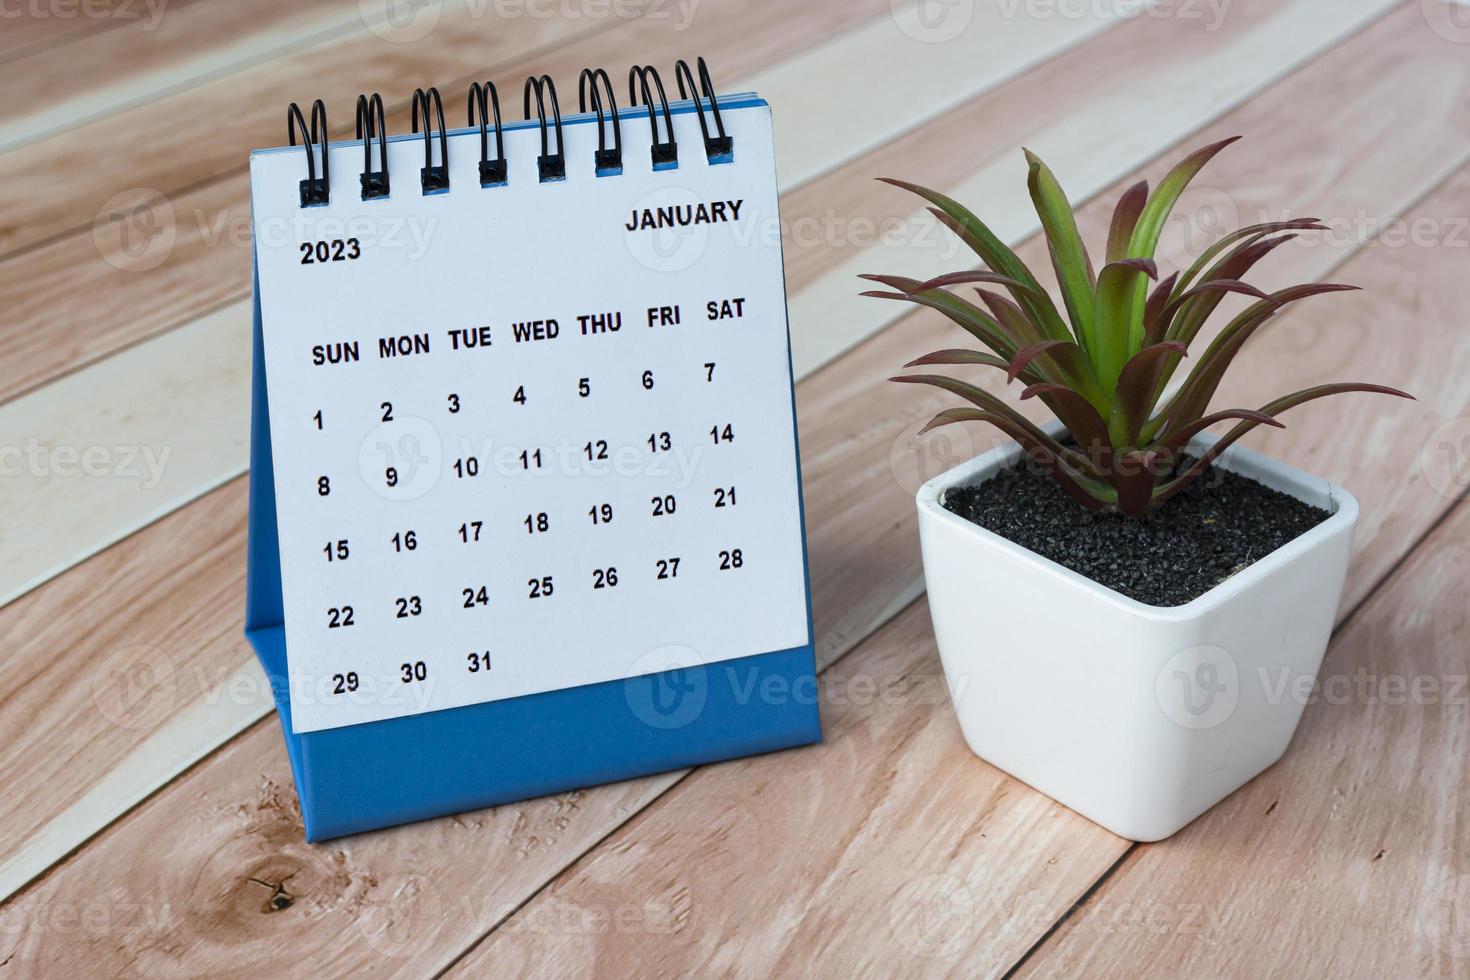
[(369, 125), (665, 153), (434, 180), (315, 191), (594, 87), (721, 148), (493, 173), (607, 162), (550, 166)]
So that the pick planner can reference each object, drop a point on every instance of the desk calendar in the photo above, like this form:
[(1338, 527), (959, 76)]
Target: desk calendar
[(525, 495)]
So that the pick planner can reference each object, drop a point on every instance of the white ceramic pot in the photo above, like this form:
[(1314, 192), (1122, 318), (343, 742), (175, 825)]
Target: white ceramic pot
[(1138, 717)]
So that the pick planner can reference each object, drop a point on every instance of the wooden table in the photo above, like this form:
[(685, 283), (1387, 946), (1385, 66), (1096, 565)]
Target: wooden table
[(148, 824)]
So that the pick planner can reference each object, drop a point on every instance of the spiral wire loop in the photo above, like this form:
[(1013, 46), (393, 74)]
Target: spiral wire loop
[(433, 179), (550, 166), (665, 153), (370, 125), (607, 161), (720, 148), (315, 191), (493, 173)]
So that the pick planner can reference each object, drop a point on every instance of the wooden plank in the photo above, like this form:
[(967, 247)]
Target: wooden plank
[(822, 811), (1260, 41), (857, 593), (1355, 844), (888, 849), (160, 51), (806, 319), (161, 146), (30, 28), (128, 285), (862, 547), (74, 811), (156, 366)]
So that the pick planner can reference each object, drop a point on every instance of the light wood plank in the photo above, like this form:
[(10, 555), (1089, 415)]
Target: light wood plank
[(1355, 845), (165, 146), (197, 257), (807, 319), (29, 29), (854, 593), (888, 850), (642, 864), (159, 52), (1260, 41), (863, 539), (162, 366)]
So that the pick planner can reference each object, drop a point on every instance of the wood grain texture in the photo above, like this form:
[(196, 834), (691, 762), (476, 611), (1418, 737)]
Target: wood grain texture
[(870, 569), (736, 908), (31, 28), (888, 850), (167, 257), (851, 492), (153, 52), (1350, 857), (229, 360), (1258, 42)]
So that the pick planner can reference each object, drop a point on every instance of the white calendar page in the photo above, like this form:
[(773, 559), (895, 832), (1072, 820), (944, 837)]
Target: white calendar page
[(483, 489)]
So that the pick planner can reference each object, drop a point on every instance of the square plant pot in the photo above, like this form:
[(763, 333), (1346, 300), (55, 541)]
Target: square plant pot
[(1138, 717)]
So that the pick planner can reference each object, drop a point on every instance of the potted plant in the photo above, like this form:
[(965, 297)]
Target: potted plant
[(1123, 601)]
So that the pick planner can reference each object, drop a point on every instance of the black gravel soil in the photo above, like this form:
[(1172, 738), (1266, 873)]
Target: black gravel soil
[(1217, 527)]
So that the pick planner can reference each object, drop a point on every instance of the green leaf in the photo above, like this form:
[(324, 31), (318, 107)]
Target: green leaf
[(1068, 254), (1080, 418), (1116, 313), (1175, 441), (968, 316), (1088, 492), (1151, 225), (1012, 317), (957, 355), (1250, 231), (1270, 409), (972, 275), (995, 254), (988, 402), (1133, 399), (1193, 397), (1125, 219)]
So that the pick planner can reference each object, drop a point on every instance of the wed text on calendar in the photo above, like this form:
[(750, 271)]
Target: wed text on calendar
[(554, 446)]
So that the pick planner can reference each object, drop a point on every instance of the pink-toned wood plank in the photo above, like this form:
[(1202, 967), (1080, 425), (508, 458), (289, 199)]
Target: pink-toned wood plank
[(1349, 858)]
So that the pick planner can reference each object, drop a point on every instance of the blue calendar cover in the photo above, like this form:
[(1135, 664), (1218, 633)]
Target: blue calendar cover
[(381, 773)]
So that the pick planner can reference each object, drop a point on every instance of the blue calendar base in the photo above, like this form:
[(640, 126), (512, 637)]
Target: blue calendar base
[(383, 773)]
